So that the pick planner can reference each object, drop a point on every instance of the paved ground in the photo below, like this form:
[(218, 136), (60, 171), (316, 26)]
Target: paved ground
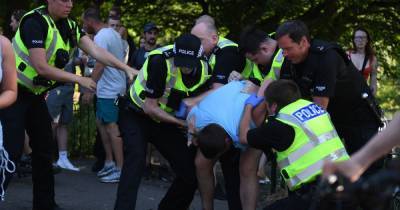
[(82, 191)]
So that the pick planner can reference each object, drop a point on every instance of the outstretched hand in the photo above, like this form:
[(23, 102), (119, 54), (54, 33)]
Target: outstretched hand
[(235, 76), (87, 83)]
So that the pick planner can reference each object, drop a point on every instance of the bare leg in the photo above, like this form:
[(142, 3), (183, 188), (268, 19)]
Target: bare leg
[(105, 140), (116, 143), (261, 167), (248, 178), (27, 147), (62, 136), (205, 177)]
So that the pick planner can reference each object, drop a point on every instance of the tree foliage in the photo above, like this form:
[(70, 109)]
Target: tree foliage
[(327, 19)]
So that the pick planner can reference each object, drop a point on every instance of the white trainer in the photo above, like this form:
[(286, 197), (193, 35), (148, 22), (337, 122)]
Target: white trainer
[(113, 177), (66, 164), (106, 170)]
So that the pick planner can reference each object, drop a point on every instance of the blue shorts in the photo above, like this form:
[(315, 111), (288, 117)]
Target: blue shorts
[(106, 110)]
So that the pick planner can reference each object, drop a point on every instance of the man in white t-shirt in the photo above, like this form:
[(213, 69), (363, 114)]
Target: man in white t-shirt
[(111, 82), (115, 23)]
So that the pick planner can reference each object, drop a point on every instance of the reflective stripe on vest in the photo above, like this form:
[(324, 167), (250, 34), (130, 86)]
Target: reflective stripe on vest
[(222, 43), (170, 84), (315, 140), (25, 57), (276, 66), (315, 168), (225, 43), (52, 44), (274, 72)]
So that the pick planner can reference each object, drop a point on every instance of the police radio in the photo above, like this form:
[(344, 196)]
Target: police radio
[(62, 58)]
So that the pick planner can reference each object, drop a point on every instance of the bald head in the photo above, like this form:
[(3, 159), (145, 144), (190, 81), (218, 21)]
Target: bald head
[(205, 19), (208, 35), (205, 27)]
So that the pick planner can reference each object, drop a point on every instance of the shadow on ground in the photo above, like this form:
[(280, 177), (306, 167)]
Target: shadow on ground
[(82, 191)]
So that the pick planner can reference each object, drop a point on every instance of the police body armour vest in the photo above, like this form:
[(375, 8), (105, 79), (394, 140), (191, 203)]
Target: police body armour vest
[(54, 41), (173, 80), (251, 69), (222, 43), (315, 141)]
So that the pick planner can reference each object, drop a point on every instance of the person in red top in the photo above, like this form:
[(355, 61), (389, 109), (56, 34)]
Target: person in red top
[(363, 57)]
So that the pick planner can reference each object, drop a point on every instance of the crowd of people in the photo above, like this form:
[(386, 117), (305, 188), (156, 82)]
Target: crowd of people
[(199, 100)]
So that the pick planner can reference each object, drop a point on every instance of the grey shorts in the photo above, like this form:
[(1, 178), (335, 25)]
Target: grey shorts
[(60, 104)]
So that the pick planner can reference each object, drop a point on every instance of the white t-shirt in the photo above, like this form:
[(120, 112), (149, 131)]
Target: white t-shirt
[(113, 81)]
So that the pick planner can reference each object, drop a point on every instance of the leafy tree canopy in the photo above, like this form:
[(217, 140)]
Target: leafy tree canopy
[(327, 19)]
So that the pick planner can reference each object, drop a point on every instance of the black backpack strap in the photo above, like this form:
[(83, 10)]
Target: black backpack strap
[(364, 64), (350, 75)]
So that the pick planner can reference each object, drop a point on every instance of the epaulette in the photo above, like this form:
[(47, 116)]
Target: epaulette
[(43, 12), (320, 47), (215, 50), (168, 53)]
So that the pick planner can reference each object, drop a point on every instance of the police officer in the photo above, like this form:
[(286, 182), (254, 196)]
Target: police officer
[(169, 75), (42, 47), (261, 49), (223, 54), (325, 75), (303, 137)]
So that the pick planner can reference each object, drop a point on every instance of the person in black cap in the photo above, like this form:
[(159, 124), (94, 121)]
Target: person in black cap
[(150, 34), (169, 76)]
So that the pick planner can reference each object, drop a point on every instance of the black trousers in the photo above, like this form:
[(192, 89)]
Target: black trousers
[(307, 198), (355, 137), (30, 113), (136, 130)]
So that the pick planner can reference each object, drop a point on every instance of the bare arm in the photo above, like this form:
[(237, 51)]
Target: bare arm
[(97, 71), (322, 101), (152, 108), (373, 78), (37, 56), (216, 85), (100, 54), (264, 86), (379, 145), (258, 114), (8, 93), (244, 126)]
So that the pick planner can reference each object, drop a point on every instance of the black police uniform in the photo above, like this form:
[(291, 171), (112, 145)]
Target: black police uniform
[(30, 112), (137, 129), (327, 72)]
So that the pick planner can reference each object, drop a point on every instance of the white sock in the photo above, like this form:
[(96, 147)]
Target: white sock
[(63, 155), (109, 163)]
